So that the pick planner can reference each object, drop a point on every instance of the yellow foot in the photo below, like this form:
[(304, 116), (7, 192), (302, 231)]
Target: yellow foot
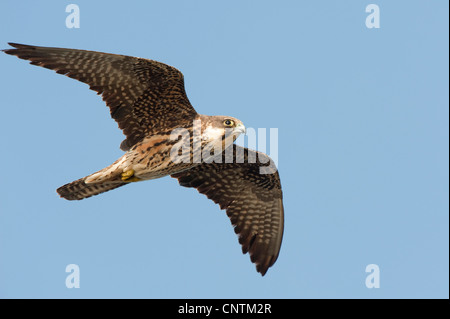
[(128, 176)]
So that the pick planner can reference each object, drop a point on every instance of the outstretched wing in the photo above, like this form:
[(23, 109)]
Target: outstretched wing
[(253, 201), (144, 96)]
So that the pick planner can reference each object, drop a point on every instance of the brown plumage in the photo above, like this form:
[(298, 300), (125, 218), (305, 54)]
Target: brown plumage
[(144, 96), (253, 201), (78, 189), (148, 100)]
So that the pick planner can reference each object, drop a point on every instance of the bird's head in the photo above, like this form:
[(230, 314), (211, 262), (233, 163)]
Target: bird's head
[(222, 127), (220, 130)]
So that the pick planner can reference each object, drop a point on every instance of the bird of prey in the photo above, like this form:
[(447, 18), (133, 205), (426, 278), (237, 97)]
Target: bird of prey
[(148, 100)]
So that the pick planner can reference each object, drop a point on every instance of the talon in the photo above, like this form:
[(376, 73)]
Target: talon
[(128, 176)]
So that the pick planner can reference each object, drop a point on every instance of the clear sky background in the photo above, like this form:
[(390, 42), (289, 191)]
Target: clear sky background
[(362, 118)]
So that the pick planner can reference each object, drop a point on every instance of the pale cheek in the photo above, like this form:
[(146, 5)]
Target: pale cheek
[(211, 133)]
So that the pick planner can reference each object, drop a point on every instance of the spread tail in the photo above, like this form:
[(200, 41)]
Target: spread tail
[(80, 190)]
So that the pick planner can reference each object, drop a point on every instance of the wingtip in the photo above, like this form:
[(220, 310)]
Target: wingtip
[(262, 269), (15, 47), (18, 45)]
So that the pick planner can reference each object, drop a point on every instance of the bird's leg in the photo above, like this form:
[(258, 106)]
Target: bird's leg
[(128, 176)]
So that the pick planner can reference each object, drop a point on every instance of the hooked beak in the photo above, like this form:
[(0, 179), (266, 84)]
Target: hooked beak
[(240, 128)]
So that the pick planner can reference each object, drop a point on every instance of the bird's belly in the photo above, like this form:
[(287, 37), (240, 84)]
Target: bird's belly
[(152, 159)]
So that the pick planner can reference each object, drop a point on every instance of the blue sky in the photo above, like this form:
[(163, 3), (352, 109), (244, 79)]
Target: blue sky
[(362, 118)]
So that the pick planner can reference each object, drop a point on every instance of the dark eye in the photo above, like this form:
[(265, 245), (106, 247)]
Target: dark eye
[(228, 122)]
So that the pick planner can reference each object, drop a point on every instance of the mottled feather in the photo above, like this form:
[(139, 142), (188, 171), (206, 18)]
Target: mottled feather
[(148, 100), (253, 201), (144, 96), (78, 189)]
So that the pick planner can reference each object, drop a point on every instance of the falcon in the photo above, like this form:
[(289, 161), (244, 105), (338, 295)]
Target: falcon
[(148, 101)]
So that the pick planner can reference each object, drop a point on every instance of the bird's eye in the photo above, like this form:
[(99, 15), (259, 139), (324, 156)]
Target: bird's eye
[(228, 123)]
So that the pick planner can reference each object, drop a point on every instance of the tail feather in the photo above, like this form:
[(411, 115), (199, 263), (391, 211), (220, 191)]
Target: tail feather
[(80, 190)]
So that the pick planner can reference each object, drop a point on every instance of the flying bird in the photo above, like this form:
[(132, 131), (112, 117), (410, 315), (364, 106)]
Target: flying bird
[(148, 101)]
